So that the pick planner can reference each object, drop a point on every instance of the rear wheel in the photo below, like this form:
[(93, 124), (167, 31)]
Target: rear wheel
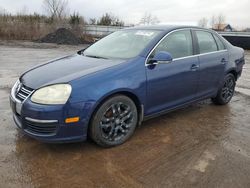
[(114, 122), (226, 92)]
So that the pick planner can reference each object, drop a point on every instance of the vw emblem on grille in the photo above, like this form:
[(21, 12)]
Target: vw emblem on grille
[(18, 87)]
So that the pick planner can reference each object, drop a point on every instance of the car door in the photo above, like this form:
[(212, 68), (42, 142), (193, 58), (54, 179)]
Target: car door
[(213, 58), (175, 83)]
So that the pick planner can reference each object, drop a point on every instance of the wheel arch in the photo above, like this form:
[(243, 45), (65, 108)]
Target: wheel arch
[(139, 105), (233, 72)]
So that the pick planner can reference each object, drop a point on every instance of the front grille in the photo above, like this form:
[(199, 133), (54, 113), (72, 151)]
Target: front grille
[(23, 92), (40, 128)]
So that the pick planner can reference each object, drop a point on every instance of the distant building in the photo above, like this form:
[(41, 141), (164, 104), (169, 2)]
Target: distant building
[(223, 27)]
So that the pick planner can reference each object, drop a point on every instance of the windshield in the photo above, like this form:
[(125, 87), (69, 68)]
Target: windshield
[(121, 44)]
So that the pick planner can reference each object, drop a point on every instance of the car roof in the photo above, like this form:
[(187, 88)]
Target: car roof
[(165, 27)]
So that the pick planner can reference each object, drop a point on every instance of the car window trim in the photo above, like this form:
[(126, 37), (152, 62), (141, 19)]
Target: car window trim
[(218, 48), (169, 33), (212, 37), (212, 33), (186, 57), (197, 55)]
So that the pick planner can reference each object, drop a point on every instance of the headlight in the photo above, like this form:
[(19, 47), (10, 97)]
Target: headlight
[(54, 94)]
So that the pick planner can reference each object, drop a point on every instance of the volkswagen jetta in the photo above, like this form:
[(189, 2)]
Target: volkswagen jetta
[(107, 89)]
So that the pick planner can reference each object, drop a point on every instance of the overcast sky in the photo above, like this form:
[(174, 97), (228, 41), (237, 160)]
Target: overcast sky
[(237, 12)]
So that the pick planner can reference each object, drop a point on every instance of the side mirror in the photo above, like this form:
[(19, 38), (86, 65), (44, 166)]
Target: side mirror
[(161, 57)]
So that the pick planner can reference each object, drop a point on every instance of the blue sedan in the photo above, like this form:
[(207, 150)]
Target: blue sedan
[(106, 90)]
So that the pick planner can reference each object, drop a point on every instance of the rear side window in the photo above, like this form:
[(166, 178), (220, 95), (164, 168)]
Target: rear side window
[(178, 44), (221, 46), (206, 42)]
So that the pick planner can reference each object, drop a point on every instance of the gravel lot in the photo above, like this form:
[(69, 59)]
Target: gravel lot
[(202, 145)]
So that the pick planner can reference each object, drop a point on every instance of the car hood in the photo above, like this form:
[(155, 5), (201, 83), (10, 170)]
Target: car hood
[(64, 70)]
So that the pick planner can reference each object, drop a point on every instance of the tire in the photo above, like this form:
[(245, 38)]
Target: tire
[(114, 122), (226, 92)]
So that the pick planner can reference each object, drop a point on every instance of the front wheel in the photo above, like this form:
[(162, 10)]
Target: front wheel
[(226, 92), (114, 121)]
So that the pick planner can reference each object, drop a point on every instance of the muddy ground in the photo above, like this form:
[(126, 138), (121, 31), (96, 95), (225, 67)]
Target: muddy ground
[(200, 146)]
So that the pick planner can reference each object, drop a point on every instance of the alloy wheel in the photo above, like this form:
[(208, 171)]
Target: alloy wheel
[(116, 121), (228, 89)]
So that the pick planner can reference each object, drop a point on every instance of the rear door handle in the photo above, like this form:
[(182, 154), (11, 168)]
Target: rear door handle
[(194, 67), (223, 61)]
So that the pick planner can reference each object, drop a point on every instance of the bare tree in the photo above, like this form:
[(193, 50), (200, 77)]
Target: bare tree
[(221, 21), (3, 11), (76, 19), (106, 19), (92, 21), (203, 22), (23, 11), (149, 19), (56, 9), (213, 21), (109, 19), (217, 21)]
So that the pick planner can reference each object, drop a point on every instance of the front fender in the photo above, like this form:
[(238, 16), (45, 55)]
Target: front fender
[(127, 77)]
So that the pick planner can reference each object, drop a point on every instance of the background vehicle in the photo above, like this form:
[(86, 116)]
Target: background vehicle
[(129, 76)]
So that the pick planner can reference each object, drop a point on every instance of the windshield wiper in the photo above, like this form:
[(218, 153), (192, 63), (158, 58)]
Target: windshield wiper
[(94, 56)]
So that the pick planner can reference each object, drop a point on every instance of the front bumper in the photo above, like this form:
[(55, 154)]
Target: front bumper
[(47, 122)]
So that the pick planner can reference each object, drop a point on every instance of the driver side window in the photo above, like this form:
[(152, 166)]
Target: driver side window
[(178, 44)]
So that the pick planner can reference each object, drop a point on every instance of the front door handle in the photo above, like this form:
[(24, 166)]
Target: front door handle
[(194, 67)]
